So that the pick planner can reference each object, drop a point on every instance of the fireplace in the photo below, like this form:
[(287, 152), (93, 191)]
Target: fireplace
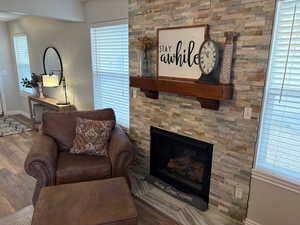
[(183, 163)]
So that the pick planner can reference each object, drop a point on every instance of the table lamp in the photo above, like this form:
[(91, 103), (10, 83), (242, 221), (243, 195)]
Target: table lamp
[(48, 81), (53, 81), (66, 96)]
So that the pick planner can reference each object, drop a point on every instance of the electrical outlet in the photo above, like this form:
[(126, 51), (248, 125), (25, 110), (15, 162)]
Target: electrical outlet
[(247, 113), (238, 192)]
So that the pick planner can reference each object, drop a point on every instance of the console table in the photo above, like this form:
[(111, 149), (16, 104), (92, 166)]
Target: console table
[(48, 103)]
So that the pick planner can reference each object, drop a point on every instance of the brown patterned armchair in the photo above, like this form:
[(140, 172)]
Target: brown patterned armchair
[(50, 163)]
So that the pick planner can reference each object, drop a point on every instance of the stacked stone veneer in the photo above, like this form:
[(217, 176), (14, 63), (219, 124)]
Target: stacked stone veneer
[(233, 137)]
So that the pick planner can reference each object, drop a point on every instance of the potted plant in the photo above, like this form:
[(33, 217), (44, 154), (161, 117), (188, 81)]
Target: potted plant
[(33, 83)]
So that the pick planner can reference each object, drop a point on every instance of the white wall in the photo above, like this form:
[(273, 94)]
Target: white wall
[(104, 10), (8, 77), (73, 43), (273, 205), (59, 9), (72, 39)]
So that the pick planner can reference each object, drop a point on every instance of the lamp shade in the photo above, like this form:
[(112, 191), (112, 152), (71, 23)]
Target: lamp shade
[(50, 80)]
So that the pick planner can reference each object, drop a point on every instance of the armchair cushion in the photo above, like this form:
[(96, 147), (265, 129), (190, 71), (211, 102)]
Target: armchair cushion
[(77, 168), (62, 125)]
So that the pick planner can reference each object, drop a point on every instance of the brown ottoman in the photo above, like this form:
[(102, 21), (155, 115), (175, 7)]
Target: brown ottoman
[(106, 202)]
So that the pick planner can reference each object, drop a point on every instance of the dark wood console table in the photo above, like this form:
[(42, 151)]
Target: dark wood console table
[(48, 103)]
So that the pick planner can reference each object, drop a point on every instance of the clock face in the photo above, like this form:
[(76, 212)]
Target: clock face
[(209, 57)]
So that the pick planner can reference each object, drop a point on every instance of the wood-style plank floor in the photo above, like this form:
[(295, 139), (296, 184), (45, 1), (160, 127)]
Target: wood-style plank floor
[(16, 187)]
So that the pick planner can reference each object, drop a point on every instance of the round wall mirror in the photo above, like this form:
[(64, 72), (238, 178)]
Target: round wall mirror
[(52, 63)]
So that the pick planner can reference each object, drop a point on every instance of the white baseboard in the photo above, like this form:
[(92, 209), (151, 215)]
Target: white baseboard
[(250, 222), (14, 112)]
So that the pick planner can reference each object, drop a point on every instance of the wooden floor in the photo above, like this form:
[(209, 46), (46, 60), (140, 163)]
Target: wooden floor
[(16, 187)]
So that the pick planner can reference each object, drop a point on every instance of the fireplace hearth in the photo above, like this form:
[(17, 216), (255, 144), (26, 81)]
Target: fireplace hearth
[(181, 165)]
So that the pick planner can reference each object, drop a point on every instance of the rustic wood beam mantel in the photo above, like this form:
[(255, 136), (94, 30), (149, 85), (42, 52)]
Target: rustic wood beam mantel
[(209, 95)]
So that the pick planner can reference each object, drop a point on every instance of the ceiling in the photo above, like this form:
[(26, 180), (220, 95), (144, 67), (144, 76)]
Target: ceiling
[(8, 16)]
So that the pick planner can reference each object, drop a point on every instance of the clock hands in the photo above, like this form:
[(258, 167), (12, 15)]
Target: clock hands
[(207, 54)]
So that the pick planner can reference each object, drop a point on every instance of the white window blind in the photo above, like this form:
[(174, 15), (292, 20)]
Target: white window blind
[(110, 69), (22, 60), (279, 138)]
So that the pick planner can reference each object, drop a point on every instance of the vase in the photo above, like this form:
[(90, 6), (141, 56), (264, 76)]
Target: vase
[(35, 92), (41, 90), (146, 64)]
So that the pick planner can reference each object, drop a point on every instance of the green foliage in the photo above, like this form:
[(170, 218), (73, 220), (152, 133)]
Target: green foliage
[(35, 79)]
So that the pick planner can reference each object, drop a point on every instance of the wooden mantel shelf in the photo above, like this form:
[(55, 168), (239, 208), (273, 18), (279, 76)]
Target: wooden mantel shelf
[(209, 95)]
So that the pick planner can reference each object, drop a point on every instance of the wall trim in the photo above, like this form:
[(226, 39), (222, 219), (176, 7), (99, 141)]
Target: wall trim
[(275, 180), (14, 112), (250, 222)]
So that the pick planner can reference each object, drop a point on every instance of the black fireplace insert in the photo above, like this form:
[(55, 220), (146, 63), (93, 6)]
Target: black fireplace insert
[(182, 162)]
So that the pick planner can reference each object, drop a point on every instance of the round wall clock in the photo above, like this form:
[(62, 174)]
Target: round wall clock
[(209, 57)]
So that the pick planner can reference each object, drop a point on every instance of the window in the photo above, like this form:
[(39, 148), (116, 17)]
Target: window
[(22, 60), (110, 69), (279, 138)]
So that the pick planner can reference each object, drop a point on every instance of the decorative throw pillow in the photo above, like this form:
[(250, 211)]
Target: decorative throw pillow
[(92, 137)]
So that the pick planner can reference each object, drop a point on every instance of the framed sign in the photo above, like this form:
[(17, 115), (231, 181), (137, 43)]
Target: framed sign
[(178, 51)]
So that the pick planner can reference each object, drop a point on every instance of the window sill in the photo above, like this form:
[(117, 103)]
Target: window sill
[(25, 94), (265, 176)]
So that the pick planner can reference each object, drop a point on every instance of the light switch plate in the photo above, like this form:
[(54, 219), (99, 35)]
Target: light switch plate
[(247, 113)]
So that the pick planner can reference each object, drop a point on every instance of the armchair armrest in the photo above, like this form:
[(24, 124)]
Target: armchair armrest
[(120, 152), (40, 162)]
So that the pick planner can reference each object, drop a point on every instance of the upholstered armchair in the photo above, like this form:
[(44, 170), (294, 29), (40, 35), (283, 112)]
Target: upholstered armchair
[(50, 163)]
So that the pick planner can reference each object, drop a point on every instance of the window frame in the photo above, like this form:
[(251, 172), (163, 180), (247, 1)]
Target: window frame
[(265, 174), (105, 24), (23, 91)]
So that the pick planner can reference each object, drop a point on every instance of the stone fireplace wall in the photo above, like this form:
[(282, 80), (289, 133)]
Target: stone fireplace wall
[(233, 137)]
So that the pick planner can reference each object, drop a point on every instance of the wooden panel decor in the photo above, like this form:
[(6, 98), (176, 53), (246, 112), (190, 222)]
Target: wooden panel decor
[(178, 51), (209, 95), (225, 76)]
